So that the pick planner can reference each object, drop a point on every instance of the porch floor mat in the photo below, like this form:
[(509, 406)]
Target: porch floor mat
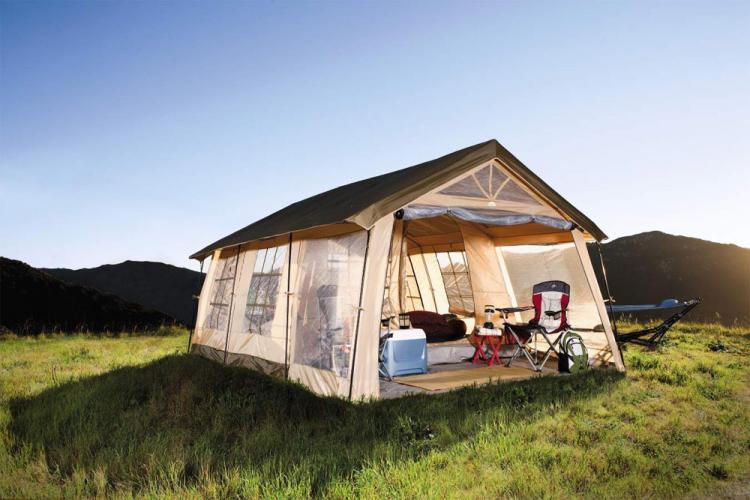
[(453, 379)]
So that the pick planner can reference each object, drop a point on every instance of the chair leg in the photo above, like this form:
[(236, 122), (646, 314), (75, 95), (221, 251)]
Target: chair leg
[(552, 348), (521, 349)]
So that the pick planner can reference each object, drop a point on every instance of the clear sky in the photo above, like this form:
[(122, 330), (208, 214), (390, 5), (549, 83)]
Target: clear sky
[(146, 130)]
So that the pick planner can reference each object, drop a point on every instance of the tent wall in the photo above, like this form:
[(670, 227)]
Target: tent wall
[(311, 340), (365, 377), (325, 307), (487, 282), (528, 265), (393, 293), (214, 307)]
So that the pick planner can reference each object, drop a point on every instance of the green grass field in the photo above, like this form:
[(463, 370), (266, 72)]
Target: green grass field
[(135, 416)]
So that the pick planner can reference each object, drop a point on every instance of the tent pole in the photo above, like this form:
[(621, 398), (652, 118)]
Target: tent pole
[(231, 304), (195, 312), (606, 285), (288, 300), (359, 315)]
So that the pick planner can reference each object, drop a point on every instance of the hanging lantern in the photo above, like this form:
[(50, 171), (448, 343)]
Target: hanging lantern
[(404, 322), (489, 313)]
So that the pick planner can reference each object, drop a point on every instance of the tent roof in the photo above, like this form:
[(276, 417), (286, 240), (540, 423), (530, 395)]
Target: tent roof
[(364, 202)]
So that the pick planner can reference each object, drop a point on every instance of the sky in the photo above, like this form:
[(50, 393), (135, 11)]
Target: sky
[(147, 130)]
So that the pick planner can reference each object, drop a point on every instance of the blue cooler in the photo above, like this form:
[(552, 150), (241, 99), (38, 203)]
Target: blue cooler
[(404, 352)]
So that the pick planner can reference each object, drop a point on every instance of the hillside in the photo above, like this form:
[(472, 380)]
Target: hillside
[(129, 418), (32, 301), (154, 285), (648, 267)]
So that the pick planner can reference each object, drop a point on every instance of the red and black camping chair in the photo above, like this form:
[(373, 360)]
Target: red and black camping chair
[(550, 300)]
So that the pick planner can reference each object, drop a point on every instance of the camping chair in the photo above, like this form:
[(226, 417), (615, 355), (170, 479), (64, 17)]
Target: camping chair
[(657, 333), (550, 300)]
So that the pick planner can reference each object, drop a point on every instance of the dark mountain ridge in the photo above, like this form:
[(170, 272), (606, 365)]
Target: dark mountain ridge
[(32, 301), (155, 285), (643, 268), (648, 267)]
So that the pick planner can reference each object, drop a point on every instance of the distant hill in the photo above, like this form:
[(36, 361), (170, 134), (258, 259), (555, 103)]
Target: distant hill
[(155, 285), (32, 301), (648, 267)]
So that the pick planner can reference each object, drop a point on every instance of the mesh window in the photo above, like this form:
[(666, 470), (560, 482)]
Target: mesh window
[(467, 188), (513, 192), (498, 181), (491, 184), (264, 289), (413, 295), (328, 289), (221, 292), (455, 273)]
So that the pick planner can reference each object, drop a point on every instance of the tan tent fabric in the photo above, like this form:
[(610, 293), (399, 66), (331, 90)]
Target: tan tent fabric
[(202, 336), (425, 284), (365, 378), (489, 185), (270, 345), (392, 294), (487, 283), (217, 300), (327, 291)]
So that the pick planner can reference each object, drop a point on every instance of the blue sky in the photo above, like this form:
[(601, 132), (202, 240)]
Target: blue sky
[(146, 130)]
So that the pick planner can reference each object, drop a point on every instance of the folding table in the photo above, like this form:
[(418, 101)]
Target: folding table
[(488, 337)]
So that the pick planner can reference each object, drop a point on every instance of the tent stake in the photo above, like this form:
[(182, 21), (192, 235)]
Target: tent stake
[(195, 312)]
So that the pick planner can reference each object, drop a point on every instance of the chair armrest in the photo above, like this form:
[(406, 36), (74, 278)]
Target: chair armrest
[(508, 310)]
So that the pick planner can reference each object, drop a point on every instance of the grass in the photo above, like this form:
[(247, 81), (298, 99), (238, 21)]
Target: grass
[(134, 416)]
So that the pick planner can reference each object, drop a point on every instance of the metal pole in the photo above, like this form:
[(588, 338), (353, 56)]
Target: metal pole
[(359, 314), (288, 300), (606, 285), (231, 304)]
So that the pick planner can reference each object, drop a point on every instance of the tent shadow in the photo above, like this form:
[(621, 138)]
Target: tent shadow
[(189, 421)]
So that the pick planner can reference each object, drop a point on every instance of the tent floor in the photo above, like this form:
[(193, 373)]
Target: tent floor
[(446, 377)]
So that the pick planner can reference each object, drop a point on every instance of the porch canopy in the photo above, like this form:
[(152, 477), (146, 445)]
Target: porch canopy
[(305, 292)]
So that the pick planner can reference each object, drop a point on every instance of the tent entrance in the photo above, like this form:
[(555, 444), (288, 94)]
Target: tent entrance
[(443, 262), (444, 265)]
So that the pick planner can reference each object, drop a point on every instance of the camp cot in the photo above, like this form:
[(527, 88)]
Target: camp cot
[(305, 293)]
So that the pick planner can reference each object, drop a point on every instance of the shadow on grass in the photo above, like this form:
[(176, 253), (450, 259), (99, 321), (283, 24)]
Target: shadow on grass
[(184, 421)]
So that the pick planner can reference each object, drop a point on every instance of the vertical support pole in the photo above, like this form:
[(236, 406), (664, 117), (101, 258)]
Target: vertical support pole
[(231, 304), (606, 285), (288, 301), (588, 270), (195, 312), (359, 316)]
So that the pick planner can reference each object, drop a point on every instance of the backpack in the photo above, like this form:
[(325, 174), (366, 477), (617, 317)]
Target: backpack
[(573, 356)]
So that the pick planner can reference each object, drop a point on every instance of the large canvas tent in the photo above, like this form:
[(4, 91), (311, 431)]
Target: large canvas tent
[(305, 293)]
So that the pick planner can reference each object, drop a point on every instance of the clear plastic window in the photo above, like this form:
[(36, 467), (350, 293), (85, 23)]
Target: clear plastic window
[(413, 295), (221, 292), (327, 294), (455, 273), (264, 289)]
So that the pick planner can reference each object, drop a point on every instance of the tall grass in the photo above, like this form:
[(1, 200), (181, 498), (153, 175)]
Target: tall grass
[(134, 416)]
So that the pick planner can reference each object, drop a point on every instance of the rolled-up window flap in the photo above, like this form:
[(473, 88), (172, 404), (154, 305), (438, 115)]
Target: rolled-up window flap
[(488, 217)]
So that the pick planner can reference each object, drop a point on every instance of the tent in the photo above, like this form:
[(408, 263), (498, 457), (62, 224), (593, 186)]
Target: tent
[(305, 293)]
